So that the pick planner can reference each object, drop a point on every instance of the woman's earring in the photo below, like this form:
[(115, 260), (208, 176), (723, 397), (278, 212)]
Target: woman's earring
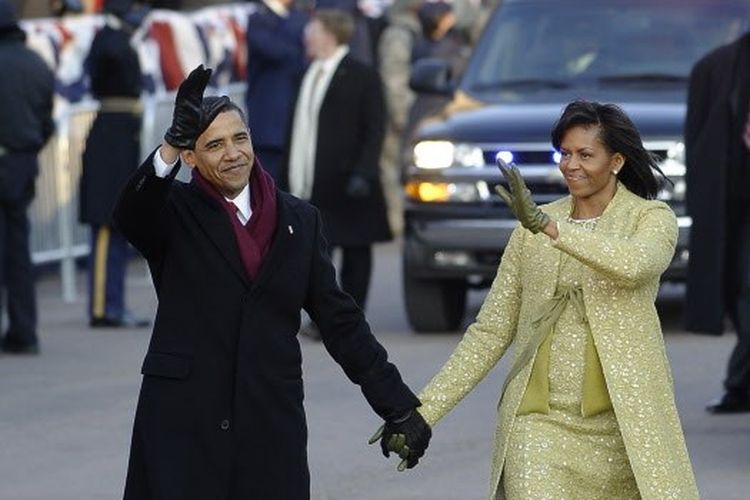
[(615, 172)]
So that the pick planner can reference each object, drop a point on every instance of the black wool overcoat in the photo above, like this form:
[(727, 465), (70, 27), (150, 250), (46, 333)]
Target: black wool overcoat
[(220, 413), (711, 131), (351, 129)]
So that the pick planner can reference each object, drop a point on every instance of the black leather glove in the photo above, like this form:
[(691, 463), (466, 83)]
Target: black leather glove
[(358, 187), (407, 436), (186, 118)]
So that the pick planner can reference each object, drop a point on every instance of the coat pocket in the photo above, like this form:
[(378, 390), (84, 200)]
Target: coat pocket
[(162, 364)]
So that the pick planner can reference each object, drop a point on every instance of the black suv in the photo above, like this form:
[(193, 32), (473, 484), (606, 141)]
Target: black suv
[(533, 58)]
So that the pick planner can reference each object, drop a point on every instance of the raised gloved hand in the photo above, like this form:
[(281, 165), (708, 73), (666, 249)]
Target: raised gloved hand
[(358, 187), (186, 118), (407, 436), (519, 199)]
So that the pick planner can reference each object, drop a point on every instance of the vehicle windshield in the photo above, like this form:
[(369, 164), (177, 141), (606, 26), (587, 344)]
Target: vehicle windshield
[(533, 46)]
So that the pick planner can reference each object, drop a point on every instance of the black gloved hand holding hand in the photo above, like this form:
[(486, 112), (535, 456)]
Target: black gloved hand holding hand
[(186, 118), (408, 436), (358, 187)]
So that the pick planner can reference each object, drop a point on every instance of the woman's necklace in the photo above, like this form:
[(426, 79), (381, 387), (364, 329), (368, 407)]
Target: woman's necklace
[(587, 224)]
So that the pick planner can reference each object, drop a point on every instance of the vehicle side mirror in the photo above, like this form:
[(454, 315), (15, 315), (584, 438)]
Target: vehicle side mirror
[(431, 76)]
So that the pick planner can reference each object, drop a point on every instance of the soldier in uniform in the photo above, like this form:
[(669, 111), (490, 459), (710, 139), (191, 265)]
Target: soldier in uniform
[(111, 155)]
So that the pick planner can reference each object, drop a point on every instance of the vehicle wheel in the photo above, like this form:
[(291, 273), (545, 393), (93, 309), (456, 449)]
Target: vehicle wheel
[(434, 305)]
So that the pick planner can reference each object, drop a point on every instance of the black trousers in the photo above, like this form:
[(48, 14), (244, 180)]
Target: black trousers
[(356, 269), (17, 175), (738, 295)]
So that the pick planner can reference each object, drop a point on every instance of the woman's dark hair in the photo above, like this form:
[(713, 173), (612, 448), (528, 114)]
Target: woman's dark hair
[(619, 135)]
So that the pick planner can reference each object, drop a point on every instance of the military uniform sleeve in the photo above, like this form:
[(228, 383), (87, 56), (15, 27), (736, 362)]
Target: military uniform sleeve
[(628, 261), (484, 342), (395, 66)]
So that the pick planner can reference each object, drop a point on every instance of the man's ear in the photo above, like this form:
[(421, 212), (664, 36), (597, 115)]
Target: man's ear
[(188, 157)]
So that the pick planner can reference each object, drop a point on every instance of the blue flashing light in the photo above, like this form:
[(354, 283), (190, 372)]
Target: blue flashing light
[(506, 156)]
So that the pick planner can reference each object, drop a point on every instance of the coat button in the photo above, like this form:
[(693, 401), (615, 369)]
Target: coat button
[(225, 425)]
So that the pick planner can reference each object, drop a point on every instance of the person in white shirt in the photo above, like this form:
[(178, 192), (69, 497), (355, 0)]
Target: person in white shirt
[(335, 147)]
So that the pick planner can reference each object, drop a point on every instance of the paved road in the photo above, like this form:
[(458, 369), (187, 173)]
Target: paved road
[(65, 417)]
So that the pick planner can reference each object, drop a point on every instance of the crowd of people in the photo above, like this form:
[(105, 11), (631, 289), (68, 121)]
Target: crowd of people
[(313, 165)]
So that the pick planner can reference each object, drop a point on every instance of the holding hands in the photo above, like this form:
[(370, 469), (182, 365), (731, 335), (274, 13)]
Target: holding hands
[(519, 199), (186, 118), (408, 437)]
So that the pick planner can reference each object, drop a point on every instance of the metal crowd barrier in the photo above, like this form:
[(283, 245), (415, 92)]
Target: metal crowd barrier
[(56, 234)]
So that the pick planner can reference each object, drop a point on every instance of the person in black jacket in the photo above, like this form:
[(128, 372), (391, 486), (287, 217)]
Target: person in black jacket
[(717, 153), (234, 261), (112, 154), (334, 152), (26, 91)]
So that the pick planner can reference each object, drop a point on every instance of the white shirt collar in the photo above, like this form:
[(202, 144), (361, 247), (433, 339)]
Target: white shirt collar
[(277, 7), (242, 201), (330, 63)]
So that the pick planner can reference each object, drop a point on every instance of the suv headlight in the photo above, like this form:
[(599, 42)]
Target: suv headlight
[(674, 168), (434, 155), (677, 153)]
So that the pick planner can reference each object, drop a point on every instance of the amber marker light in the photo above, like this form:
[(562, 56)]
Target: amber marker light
[(428, 191)]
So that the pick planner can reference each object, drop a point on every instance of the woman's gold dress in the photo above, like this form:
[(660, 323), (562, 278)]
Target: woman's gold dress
[(618, 266), (563, 455)]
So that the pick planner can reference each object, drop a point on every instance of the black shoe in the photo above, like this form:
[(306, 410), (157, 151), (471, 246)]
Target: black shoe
[(730, 402), (14, 347), (311, 331), (127, 321)]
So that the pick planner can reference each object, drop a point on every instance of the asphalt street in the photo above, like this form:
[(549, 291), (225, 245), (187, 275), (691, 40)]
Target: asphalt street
[(66, 415)]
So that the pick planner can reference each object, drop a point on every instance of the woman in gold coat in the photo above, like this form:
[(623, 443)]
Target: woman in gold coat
[(588, 410)]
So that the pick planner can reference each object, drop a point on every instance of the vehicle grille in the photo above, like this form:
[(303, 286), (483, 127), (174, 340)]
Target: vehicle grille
[(521, 157), (541, 157)]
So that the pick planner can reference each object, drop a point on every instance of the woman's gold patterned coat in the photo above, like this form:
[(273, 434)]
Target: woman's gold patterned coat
[(632, 245)]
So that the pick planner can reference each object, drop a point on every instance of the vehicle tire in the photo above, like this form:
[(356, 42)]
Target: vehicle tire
[(434, 305)]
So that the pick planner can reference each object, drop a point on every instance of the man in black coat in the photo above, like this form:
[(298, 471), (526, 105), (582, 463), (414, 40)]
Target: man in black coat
[(334, 154), (234, 261), (26, 91), (717, 147), (113, 148)]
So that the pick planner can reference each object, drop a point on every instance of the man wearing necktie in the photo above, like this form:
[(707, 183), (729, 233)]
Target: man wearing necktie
[(334, 153), (234, 261)]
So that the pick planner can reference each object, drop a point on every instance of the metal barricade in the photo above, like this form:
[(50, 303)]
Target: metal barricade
[(56, 235)]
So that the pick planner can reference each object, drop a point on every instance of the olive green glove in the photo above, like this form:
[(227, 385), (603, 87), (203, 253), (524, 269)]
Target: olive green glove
[(519, 199)]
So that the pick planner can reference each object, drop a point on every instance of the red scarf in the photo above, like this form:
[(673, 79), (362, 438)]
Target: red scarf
[(253, 239)]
